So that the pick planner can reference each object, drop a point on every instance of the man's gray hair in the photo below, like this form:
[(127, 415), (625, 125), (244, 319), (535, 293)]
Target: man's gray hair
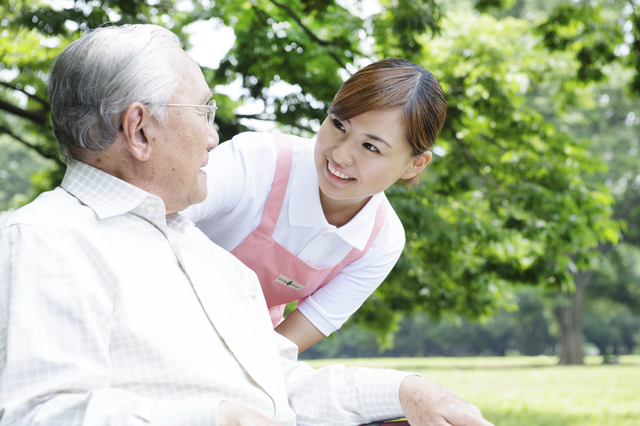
[(98, 76)]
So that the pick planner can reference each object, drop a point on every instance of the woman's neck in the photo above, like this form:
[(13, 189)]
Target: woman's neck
[(339, 212)]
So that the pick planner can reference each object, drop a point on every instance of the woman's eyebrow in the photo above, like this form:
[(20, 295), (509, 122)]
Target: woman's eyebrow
[(370, 136), (376, 138)]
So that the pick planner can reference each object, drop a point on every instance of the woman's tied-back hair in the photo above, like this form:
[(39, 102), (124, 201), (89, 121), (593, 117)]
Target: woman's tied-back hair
[(98, 76), (392, 83)]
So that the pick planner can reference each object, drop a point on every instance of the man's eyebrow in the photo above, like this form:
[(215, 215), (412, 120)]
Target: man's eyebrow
[(207, 97)]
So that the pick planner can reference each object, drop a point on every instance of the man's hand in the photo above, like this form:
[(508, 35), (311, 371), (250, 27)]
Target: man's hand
[(230, 414), (426, 403)]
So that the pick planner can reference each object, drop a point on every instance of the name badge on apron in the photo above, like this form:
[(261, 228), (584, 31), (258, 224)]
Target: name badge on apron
[(289, 283)]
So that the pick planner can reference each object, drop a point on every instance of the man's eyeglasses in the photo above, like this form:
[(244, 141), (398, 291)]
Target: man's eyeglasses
[(210, 109)]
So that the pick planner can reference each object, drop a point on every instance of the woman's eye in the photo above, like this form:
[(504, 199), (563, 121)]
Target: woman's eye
[(337, 124), (370, 147)]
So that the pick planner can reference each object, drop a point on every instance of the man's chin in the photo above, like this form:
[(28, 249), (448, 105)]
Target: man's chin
[(200, 196)]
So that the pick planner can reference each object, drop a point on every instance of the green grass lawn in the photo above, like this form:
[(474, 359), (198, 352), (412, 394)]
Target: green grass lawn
[(528, 391)]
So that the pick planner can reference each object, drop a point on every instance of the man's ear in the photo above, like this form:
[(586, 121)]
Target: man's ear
[(418, 164), (136, 131)]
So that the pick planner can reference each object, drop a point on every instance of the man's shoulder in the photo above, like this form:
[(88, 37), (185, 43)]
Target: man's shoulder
[(221, 261), (49, 208)]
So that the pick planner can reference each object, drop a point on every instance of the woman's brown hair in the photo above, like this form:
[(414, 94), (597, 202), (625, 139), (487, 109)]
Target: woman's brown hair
[(392, 83)]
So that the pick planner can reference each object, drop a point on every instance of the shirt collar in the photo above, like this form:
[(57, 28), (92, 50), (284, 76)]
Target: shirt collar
[(358, 230), (109, 196), (305, 208)]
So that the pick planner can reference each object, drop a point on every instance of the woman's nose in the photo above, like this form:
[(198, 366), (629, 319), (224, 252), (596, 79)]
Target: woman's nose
[(342, 153)]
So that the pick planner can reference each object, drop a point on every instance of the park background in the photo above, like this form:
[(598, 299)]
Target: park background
[(519, 286)]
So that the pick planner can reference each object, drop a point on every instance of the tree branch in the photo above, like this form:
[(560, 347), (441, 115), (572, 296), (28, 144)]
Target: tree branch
[(38, 117), (257, 117), (604, 248), (252, 117), (37, 98), (37, 148), (310, 33), (626, 208), (471, 159)]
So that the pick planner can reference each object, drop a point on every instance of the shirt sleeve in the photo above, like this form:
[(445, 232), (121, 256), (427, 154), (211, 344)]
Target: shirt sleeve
[(332, 305), (338, 395), (55, 320)]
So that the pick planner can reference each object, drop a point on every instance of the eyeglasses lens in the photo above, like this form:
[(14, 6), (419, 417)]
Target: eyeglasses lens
[(211, 112)]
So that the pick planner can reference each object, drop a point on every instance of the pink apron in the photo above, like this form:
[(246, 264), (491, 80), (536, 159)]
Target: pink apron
[(285, 277)]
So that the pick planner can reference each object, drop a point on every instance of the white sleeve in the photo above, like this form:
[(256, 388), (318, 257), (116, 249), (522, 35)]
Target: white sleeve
[(339, 395), (55, 325), (332, 305)]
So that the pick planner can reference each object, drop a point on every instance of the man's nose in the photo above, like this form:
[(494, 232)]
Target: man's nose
[(214, 138)]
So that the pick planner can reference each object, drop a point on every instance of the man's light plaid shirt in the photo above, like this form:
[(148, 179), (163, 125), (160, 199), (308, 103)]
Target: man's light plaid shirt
[(113, 314)]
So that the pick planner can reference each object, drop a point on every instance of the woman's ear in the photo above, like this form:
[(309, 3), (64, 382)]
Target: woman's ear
[(135, 128), (417, 165)]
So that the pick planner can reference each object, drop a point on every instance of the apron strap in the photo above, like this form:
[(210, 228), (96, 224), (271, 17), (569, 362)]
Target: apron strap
[(279, 186)]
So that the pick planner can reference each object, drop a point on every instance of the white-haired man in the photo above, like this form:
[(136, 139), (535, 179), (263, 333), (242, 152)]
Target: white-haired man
[(112, 311)]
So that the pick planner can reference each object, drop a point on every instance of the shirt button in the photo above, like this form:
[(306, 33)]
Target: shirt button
[(147, 201), (152, 209)]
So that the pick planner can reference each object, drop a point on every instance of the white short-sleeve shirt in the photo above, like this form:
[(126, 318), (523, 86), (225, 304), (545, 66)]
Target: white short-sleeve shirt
[(239, 177)]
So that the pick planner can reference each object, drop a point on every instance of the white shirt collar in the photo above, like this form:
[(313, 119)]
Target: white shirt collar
[(305, 208), (109, 196)]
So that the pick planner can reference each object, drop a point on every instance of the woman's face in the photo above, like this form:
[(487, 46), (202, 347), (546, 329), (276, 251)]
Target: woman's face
[(364, 155)]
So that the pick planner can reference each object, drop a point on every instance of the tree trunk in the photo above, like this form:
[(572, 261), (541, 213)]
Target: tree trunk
[(570, 320), (570, 317)]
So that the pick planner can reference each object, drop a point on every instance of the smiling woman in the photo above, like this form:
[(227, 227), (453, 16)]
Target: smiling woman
[(360, 157), (309, 216)]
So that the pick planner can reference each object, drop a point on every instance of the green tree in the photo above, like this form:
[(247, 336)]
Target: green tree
[(612, 303), (600, 103), (609, 118), (18, 167)]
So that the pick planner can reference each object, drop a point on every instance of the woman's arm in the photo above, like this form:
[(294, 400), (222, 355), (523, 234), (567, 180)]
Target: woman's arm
[(297, 328)]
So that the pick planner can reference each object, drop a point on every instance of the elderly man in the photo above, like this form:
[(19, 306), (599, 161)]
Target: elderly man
[(116, 310)]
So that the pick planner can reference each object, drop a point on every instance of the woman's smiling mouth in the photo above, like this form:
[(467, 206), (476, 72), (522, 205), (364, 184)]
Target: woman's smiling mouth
[(337, 173)]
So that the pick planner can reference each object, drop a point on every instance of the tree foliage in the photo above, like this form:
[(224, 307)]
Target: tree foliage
[(596, 33)]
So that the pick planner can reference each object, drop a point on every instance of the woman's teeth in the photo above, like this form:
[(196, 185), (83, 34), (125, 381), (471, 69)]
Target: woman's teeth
[(337, 173)]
